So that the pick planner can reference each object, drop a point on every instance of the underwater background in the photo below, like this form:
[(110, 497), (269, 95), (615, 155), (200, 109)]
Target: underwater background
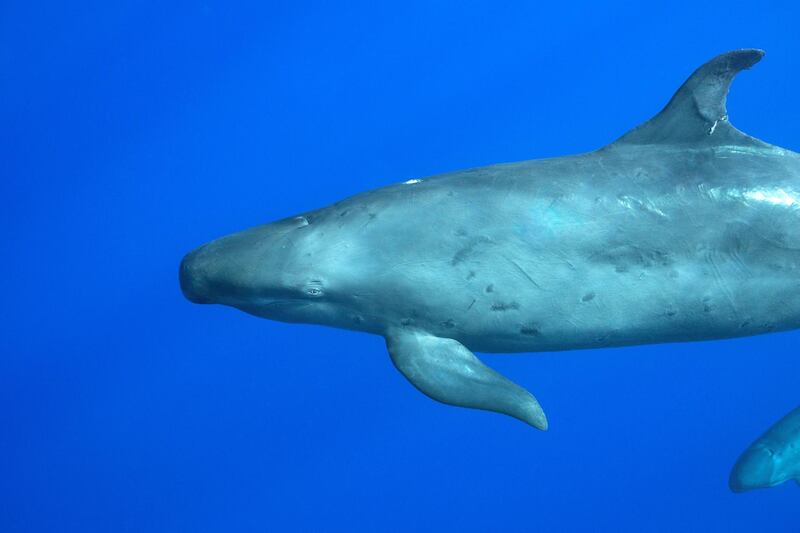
[(132, 132)]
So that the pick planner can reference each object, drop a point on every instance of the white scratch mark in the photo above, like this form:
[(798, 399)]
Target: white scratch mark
[(523, 272), (723, 118)]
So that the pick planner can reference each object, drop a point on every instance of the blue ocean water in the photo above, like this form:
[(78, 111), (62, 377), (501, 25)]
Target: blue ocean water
[(133, 132)]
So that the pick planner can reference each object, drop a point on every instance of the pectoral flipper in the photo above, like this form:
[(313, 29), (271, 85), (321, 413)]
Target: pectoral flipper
[(447, 371)]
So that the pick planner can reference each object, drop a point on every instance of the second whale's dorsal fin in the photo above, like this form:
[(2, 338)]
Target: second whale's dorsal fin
[(697, 114)]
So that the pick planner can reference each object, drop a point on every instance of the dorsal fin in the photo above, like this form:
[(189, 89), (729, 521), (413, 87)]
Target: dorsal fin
[(696, 114)]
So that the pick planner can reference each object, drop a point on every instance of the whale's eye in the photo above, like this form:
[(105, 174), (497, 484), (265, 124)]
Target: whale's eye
[(314, 288)]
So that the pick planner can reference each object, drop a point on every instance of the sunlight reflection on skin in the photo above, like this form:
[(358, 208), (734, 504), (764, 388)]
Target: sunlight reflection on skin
[(773, 196)]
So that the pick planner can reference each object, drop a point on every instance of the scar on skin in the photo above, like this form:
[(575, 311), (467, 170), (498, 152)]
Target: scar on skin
[(503, 306), (531, 330)]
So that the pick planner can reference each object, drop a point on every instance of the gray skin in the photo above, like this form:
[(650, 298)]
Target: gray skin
[(772, 459), (684, 229)]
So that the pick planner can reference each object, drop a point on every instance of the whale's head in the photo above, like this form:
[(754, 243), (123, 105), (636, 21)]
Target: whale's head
[(307, 268), (761, 466)]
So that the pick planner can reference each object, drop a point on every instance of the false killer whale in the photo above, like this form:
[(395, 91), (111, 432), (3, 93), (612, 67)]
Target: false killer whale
[(772, 459), (684, 229)]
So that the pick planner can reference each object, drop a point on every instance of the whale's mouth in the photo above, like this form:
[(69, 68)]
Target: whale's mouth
[(284, 310), (281, 303), (273, 304)]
